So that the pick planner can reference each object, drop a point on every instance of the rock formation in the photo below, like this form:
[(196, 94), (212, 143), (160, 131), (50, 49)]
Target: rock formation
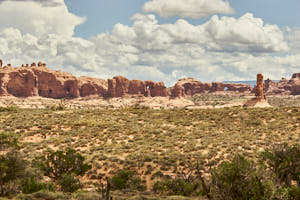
[(190, 87), (284, 86), (44, 82), (260, 88), (41, 81), (260, 99), (92, 86), (120, 86)]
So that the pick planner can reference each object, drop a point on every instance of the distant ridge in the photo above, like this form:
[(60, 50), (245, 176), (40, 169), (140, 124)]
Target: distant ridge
[(252, 83), (39, 80)]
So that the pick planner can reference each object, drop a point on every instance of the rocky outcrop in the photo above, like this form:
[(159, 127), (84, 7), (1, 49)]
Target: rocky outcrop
[(155, 89), (260, 88), (92, 86), (260, 99), (120, 86), (44, 82), (38, 80), (22, 83), (190, 87), (284, 86)]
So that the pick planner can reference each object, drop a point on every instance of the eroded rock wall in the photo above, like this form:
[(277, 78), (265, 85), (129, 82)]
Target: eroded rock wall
[(39, 80)]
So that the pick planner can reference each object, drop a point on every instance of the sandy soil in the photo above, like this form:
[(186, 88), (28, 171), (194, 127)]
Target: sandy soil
[(96, 102)]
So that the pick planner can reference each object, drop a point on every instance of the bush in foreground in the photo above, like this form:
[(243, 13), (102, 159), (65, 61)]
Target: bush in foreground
[(64, 167), (126, 179), (238, 180)]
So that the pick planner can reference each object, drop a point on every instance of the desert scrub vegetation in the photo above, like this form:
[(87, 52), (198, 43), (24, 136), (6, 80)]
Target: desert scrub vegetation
[(239, 178), (284, 101), (146, 141), (208, 99)]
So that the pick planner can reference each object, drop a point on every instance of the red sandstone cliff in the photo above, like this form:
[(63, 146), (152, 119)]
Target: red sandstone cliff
[(39, 80), (44, 82)]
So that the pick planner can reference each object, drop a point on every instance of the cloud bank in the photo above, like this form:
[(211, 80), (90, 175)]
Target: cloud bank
[(188, 8), (42, 2), (223, 48), (34, 18)]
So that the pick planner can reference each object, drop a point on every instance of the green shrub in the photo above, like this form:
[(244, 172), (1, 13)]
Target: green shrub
[(69, 183), (177, 186), (63, 167), (32, 185), (284, 162), (8, 141), (287, 193), (58, 163), (8, 109), (238, 180), (12, 168), (127, 180)]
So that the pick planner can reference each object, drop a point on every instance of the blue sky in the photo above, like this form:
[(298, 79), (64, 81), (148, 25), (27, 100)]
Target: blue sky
[(102, 15), (160, 40)]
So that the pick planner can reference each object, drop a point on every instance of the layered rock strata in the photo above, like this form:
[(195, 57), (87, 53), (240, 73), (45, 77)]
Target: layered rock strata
[(38, 80)]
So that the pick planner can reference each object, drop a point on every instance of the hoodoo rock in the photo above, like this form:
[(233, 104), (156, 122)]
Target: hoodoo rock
[(295, 81), (260, 88), (260, 99)]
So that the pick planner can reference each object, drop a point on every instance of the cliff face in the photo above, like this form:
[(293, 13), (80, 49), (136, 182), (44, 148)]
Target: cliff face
[(120, 86), (41, 81)]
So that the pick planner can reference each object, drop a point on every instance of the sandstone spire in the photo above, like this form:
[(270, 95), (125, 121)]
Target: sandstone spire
[(260, 88), (260, 95)]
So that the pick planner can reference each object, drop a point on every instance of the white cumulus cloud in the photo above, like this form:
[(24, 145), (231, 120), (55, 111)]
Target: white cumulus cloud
[(188, 8), (223, 48), (246, 34), (34, 18)]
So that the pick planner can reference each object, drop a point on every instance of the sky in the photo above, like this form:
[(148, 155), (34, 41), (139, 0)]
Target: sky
[(160, 40)]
